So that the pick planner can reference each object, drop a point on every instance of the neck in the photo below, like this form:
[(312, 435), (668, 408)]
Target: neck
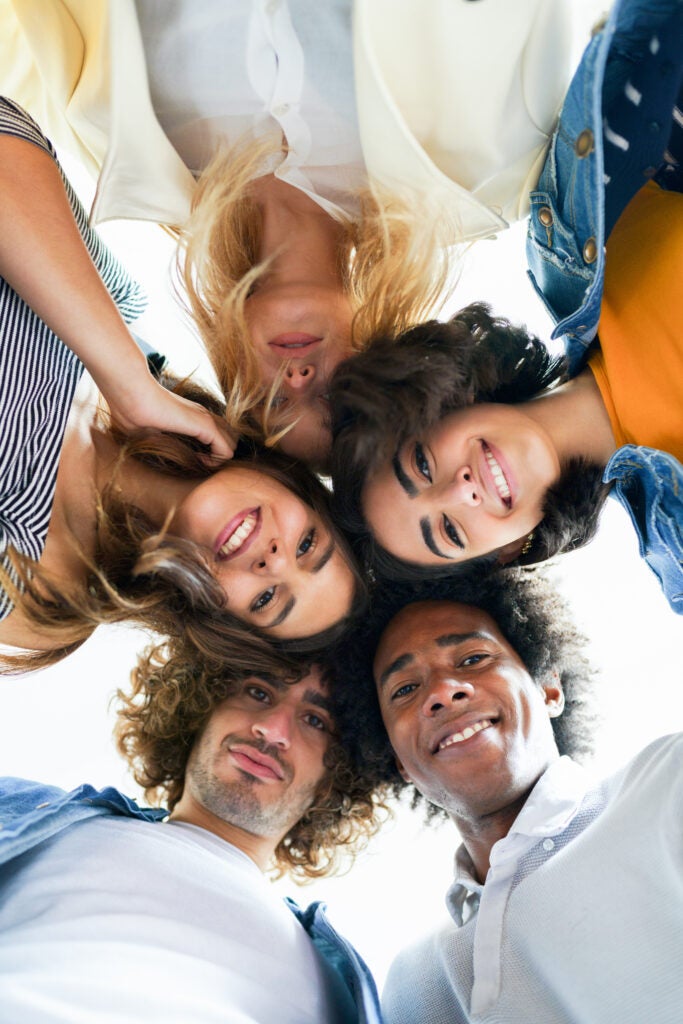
[(480, 833), (260, 849), (575, 417), (302, 240)]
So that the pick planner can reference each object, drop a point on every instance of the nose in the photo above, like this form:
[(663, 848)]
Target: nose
[(298, 377), (442, 692), (274, 727), (464, 488), (272, 559)]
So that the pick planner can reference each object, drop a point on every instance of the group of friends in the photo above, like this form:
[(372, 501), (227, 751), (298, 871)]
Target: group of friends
[(324, 644)]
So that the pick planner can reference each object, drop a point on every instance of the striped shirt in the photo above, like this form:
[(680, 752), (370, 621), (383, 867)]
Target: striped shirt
[(38, 378)]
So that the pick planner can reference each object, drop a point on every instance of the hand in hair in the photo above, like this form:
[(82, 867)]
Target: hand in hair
[(142, 403)]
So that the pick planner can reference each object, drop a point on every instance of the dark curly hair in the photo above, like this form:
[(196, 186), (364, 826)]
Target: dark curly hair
[(534, 620), (172, 696), (399, 389)]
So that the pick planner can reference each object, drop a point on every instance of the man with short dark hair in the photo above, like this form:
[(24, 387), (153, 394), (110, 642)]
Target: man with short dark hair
[(108, 910), (567, 902)]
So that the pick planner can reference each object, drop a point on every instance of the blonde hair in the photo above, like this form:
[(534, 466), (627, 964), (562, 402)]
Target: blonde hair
[(395, 264)]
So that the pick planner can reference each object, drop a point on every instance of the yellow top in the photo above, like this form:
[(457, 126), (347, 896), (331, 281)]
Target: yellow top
[(639, 367)]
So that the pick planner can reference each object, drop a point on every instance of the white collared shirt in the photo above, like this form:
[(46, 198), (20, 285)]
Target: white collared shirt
[(580, 920)]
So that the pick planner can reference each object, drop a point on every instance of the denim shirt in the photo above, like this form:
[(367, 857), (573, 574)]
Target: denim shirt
[(570, 221), (31, 812)]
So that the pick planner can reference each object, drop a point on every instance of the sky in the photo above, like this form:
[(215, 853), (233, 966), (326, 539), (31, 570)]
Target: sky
[(55, 726)]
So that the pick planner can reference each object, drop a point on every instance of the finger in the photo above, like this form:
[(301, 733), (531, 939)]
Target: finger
[(216, 435)]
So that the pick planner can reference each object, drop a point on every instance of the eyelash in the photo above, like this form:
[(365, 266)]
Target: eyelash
[(452, 533), (421, 462), (262, 696), (260, 604), (311, 536), (268, 596)]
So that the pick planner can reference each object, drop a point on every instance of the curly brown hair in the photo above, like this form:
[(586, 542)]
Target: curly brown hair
[(172, 697)]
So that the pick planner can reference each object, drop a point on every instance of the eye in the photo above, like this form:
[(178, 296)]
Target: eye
[(473, 659), (421, 463), (258, 693), (279, 401), (403, 691), (452, 533), (316, 721), (263, 600), (308, 543)]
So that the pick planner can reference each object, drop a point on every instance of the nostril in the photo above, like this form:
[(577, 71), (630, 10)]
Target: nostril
[(458, 696), (305, 372)]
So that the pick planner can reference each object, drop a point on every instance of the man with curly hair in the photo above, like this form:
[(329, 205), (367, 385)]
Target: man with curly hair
[(104, 905), (566, 904)]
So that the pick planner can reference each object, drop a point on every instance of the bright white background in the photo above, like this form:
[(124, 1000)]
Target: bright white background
[(56, 726)]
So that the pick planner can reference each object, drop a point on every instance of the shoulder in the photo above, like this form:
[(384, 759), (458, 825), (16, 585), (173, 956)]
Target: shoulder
[(426, 979)]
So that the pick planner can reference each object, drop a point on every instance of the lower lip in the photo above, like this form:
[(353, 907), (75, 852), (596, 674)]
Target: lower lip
[(512, 483), (294, 345), (260, 771), (230, 529)]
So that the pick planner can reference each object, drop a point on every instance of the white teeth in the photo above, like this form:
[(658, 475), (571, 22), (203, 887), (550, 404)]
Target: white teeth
[(458, 737), (498, 475), (238, 536)]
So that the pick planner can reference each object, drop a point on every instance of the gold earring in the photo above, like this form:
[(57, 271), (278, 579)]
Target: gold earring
[(526, 547)]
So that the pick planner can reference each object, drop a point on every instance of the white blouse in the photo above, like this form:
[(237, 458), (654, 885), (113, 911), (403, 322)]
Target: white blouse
[(218, 72)]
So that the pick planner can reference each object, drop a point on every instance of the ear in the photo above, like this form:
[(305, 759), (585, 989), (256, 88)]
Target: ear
[(509, 552), (554, 695), (401, 771)]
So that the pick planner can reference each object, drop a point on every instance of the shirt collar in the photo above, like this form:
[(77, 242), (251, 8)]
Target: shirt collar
[(548, 810)]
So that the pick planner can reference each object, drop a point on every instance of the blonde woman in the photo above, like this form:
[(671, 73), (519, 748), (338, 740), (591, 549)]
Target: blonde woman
[(354, 159), (96, 526)]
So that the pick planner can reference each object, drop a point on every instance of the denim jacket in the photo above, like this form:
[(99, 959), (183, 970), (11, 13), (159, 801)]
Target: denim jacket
[(570, 221), (31, 812)]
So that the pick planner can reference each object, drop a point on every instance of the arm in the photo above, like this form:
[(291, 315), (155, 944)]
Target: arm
[(43, 257)]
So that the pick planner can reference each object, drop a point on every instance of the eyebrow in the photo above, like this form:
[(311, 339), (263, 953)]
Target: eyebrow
[(283, 614), (428, 538), (403, 478), (401, 662), (318, 699), (447, 640), (325, 557)]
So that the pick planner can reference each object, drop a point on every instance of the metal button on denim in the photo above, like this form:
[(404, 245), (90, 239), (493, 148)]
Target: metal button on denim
[(545, 215), (585, 143), (590, 251)]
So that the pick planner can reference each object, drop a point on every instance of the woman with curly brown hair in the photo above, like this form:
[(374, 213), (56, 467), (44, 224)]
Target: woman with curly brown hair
[(98, 526)]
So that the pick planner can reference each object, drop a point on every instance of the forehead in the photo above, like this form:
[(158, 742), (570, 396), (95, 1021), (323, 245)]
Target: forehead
[(418, 628)]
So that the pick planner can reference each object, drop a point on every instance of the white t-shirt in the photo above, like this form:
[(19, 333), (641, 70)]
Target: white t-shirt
[(123, 920), (267, 66)]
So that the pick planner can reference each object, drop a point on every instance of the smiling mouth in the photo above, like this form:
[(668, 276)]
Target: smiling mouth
[(500, 481), (467, 733), (239, 534)]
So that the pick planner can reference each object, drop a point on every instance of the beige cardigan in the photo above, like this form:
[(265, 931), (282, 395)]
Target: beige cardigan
[(455, 100)]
